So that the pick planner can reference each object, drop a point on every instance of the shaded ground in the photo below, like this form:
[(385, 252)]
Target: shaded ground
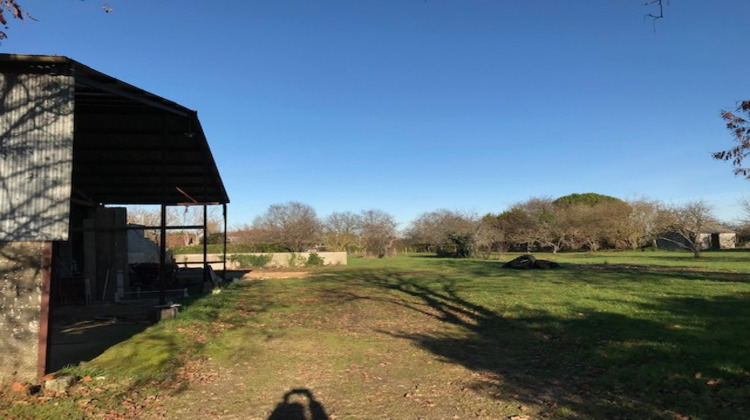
[(80, 333)]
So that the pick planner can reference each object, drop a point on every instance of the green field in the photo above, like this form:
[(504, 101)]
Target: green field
[(608, 335)]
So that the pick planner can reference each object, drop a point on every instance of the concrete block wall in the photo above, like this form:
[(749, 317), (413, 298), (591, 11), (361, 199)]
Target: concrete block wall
[(21, 265), (278, 259)]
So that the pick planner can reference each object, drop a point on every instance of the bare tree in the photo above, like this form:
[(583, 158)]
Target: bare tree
[(178, 216), (293, 225), (490, 236), (684, 226), (640, 228), (540, 228), (446, 231), (377, 231), (246, 234), (341, 231)]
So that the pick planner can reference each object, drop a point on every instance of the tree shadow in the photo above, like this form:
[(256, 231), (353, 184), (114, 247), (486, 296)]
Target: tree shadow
[(589, 364)]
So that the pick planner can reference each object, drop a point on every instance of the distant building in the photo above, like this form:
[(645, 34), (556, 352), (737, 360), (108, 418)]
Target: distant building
[(712, 236)]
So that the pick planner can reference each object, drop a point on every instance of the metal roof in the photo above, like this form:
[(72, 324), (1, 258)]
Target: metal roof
[(130, 146)]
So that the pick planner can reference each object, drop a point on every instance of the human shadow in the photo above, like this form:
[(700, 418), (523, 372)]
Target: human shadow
[(590, 364), (299, 404)]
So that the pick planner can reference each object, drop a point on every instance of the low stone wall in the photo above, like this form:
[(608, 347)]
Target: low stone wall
[(278, 259), (20, 309)]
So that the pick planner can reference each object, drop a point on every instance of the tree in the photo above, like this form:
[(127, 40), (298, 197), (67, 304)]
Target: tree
[(590, 220), (293, 225), (490, 236), (541, 228), (586, 198), (341, 231), (684, 225), (447, 232), (14, 9), (640, 227), (739, 126), (178, 216), (377, 231)]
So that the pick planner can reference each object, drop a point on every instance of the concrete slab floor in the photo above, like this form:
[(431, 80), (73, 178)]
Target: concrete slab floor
[(80, 333)]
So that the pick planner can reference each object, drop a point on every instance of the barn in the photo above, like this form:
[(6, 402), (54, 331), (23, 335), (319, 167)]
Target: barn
[(76, 147), (712, 236)]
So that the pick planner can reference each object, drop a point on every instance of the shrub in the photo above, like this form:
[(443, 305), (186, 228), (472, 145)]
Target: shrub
[(296, 260), (250, 260), (314, 260), (231, 248)]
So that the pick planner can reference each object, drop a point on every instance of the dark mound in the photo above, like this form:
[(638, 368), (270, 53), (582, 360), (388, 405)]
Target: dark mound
[(527, 262)]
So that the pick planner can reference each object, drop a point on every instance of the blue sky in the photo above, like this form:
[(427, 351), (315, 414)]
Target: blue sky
[(409, 106)]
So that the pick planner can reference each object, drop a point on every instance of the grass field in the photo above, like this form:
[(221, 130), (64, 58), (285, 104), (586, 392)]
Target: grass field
[(608, 335)]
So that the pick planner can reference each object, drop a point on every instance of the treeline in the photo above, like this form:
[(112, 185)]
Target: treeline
[(295, 227), (574, 222)]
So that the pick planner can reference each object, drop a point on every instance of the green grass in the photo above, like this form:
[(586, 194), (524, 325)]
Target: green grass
[(608, 335)]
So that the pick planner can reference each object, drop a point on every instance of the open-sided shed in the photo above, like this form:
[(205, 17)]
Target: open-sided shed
[(72, 141)]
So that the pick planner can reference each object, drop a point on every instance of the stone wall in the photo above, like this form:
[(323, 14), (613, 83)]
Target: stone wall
[(278, 259), (21, 278)]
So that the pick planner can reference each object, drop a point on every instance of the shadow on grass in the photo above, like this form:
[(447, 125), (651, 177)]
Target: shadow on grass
[(588, 364), (160, 351), (650, 274)]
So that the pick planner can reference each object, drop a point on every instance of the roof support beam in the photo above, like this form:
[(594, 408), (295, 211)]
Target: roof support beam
[(119, 92)]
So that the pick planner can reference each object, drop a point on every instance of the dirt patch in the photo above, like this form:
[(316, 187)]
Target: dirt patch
[(260, 275)]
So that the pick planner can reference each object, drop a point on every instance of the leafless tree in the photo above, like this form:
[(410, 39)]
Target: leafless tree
[(177, 216), (539, 227), (293, 225), (490, 236), (377, 232), (446, 231), (341, 231), (640, 227), (684, 225)]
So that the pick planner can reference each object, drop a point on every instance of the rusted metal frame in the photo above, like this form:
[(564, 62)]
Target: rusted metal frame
[(205, 244), (126, 228), (205, 203), (163, 224), (163, 256), (44, 316), (206, 174), (224, 256), (181, 191)]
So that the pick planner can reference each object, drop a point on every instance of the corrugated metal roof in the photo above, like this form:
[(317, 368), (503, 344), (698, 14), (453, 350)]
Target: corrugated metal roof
[(129, 146)]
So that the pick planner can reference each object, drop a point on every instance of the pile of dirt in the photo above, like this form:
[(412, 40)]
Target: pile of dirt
[(528, 262)]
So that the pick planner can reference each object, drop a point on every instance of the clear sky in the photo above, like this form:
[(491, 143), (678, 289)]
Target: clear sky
[(410, 106)]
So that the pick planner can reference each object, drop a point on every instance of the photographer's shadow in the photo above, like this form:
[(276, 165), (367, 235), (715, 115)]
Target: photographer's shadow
[(299, 404)]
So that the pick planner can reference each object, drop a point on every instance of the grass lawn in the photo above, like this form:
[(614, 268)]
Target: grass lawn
[(608, 335)]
